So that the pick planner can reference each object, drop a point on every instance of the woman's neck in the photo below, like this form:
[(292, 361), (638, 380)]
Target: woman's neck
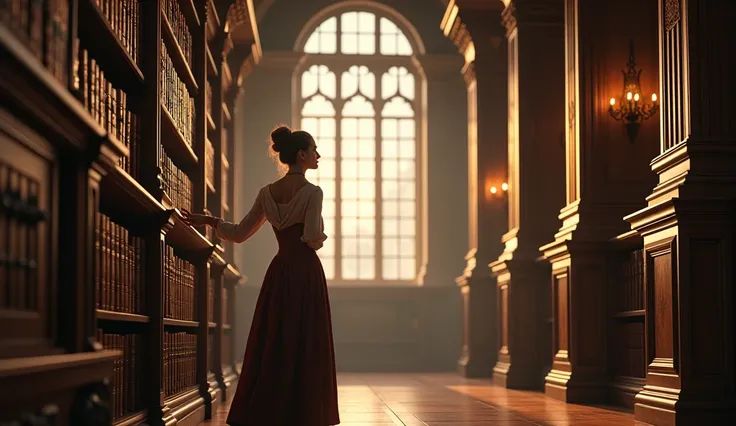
[(295, 170)]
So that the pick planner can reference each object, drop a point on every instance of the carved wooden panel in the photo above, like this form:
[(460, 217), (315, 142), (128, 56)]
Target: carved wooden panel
[(671, 14), (561, 313), (661, 307), (662, 295), (503, 316), (675, 111), (26, 287)]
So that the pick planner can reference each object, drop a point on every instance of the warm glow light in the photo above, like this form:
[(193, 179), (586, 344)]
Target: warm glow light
[(654, 97), (636, 97), (505, 186), (613, 101), (628, 96), (493, 190)]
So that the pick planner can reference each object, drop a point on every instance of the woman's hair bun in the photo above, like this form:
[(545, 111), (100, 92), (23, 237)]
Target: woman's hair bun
[(280, 138)]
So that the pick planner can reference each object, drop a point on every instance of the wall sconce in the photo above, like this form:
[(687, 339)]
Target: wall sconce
[(632, 110), (496, 192)]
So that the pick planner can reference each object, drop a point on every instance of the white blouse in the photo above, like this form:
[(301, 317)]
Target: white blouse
[(305, 207)]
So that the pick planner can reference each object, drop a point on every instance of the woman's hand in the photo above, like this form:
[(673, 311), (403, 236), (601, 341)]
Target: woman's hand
[(197, 219)]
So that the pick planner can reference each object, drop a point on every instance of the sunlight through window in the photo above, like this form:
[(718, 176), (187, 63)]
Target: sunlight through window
[(363, 119)]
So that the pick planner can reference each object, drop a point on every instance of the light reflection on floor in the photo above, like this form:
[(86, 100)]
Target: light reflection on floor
[(449, 400)]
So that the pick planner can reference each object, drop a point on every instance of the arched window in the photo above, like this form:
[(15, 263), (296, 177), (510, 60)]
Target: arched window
[(358, 91)]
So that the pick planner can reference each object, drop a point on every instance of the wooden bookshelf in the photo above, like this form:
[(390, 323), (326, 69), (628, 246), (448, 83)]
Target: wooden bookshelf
[(107, 131)]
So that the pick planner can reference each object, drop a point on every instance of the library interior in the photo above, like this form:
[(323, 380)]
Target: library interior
[(530, 206)]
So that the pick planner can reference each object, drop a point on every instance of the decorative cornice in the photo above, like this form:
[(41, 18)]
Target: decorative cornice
[(671, 14), (468, 72), (508, 17), (532, 12), (246, 68)]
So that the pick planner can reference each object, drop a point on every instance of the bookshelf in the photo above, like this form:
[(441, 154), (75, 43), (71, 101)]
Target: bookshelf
[(114, 116)]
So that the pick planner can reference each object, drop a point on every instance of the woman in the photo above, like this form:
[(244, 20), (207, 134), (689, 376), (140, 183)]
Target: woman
[(288, 375)]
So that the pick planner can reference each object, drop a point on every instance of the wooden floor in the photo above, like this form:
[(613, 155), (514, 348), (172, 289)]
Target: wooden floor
[(446, 399)]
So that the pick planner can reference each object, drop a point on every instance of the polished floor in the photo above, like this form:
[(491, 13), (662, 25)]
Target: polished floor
[(450, 400)]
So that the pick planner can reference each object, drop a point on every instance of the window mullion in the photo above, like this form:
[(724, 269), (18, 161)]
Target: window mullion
[(338, 174), (379, 182), (377, 34), (338, 35)]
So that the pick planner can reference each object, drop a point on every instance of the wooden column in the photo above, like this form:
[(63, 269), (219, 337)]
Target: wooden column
[(606, 173), (442, 155), (536, 156), (233, 280), (477, 31), (159, 413), (216, 280), (208, 390), (689, 223)]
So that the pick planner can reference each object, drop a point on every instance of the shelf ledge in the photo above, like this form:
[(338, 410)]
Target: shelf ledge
[(106, 315), (125, 200), (18, 367), (185, 238), (180, 323)]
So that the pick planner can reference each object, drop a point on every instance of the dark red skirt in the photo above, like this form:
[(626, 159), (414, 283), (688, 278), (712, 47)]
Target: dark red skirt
[(288, 376)]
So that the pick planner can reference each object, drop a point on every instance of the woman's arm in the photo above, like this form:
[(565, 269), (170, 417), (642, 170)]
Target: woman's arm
[(239, 232), (236, 232), (314, 234)]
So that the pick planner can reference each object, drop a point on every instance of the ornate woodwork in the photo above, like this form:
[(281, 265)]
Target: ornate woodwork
[(605, 177), (688, 225), (535, 37), (71, 155), (481, 45)]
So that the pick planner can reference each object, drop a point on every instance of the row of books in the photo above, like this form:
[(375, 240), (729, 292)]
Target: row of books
[(109, 106), (176, 98), (119, 268), (180, 362), (127, 374), (43, 26), (179, 286), (19, 239), (176, 183), (179, 25), (123, 17), (632, 280)]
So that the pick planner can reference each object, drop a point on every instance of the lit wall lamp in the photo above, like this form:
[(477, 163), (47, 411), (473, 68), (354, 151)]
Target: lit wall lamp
[(496, 192), (631, 109)]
